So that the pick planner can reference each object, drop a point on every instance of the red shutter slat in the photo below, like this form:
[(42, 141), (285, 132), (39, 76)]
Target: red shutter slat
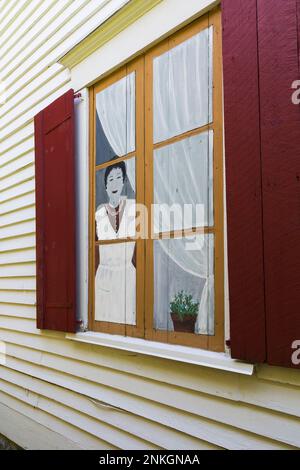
[(55, 215), (280, 136), (243, 180)]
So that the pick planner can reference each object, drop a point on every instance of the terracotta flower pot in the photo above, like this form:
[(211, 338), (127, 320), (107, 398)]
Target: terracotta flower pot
[(187, 325)]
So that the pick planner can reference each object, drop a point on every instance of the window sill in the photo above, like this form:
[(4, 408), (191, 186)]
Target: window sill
[(172, 352)]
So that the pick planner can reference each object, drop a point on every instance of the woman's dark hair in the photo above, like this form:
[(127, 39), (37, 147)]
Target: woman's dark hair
[(120, 165)]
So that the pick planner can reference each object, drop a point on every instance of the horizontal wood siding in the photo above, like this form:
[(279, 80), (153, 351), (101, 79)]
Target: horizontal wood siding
[(58, 394)]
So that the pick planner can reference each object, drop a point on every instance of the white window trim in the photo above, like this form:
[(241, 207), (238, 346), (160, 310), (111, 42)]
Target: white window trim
[(199, 357), (82, 206), (166, 17), (163, 19)]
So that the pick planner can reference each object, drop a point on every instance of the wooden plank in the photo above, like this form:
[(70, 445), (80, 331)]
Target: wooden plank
[(20, 284), (17, 203), (18, 189), (214, 431), (17, 230), (29, 115), (146, 430), (18, 269), (17, 151), (73, 23), (18, 297), (60, 427), (22, 23), (14, 141), (16, 164), (199, 379), (18, 256), (20, 311), (280, 140), (31, 435), (21, 112), (18, 243), (13, 12), (22, 175), (116, 438), (20, 215), (243, 180)]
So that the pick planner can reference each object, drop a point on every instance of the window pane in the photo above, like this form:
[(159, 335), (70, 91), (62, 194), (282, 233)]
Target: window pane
[(115, 283), (183, 184), (183, 87), (184, 284), (115, 201), (115, 120)]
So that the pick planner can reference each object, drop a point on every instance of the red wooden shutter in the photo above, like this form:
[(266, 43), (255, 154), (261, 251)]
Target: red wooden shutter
[(278, 43), (262, 140), (55, 215), (243, 180)]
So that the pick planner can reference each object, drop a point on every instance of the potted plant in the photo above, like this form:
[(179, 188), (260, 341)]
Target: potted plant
[(184, 311)]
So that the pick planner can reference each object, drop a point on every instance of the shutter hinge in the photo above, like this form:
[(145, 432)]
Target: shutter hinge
[(228, 343), (78, 96)]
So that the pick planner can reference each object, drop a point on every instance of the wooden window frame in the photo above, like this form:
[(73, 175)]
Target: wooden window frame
[(142, 66)]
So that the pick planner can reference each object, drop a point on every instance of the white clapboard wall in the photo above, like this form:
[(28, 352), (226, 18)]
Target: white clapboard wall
[(59, 394)]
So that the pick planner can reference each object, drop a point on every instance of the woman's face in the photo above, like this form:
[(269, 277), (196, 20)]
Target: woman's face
[(115, 183)]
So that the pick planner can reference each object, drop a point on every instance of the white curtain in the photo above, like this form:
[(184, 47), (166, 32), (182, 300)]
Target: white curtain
[(195, 257), (183, 87), (130, 171), (116, 110), (183, 172), (183, 175)]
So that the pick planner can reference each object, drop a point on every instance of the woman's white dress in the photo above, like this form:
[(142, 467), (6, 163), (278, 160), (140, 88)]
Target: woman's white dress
[(115, 282)]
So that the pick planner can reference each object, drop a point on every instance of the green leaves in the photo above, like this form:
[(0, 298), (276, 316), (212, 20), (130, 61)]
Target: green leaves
[(183, 305)]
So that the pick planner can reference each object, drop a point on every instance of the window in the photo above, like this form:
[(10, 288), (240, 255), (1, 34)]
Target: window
[(156, 193)]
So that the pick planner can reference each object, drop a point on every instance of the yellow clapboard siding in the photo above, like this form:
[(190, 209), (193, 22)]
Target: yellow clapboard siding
[(80, 23), (29, 107), (15, 165), (18, 269), (26, 297), (18, 283), (12, 233), (32, 90), (146, 429), (17, 151), (20, 26), (212, 431), (87, 396), (115, 437), (17, 203), (59, 426), (48, 28), (17, 257), (17, 190), (201, 379), (14, 141), (18, 427), (32, 21), (55, 361), (15, 9), (248, 418), (20, 176), (18, 125), (20, 215), (18, 243), (21, 311)]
